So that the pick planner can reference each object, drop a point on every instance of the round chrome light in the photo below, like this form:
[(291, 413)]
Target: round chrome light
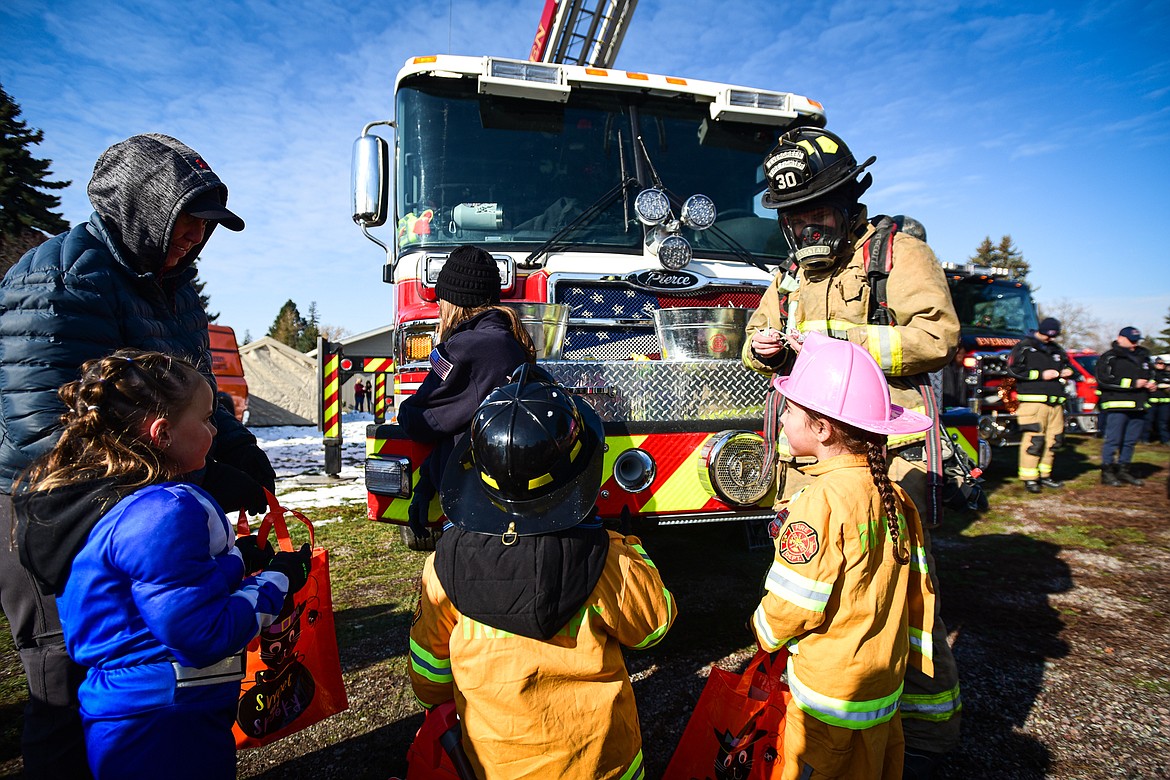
[(652, 206), (674, 252), (731, 467), (698, 212), (634, 470)]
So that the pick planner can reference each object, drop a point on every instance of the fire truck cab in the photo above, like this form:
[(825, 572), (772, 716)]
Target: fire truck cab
[(623, 211)]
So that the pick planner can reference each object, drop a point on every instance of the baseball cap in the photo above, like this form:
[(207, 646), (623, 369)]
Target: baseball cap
[(1049, 326), (1131, 333), (208, 205)]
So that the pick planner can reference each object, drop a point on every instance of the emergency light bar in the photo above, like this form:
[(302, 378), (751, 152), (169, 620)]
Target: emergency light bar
[(742, 105), (517, 78)]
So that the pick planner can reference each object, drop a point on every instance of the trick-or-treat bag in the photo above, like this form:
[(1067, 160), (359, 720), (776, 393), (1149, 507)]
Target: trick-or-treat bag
[(292, 678), (737, 728)]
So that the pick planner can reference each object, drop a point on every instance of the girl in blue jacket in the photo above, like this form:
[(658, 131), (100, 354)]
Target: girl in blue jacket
[(152, 585)]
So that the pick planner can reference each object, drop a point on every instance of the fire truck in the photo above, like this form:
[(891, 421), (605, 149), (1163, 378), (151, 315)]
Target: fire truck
[(995, 311), (622, 209)]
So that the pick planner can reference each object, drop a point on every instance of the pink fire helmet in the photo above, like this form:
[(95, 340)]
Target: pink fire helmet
[(842, 381)]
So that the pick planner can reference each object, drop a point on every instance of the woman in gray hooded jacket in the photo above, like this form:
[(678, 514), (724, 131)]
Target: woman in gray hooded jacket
[(123, 279)]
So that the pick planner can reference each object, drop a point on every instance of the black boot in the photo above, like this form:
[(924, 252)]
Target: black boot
[(1032, 486), (1109, 475), (1051, 483), (1124, 475)]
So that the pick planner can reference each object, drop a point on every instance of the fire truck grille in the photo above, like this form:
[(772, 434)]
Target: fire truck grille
[(665, 391), (611, 321)]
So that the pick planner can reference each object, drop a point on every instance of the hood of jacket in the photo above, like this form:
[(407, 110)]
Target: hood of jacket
[(139, 188), (532, 587), (53, 525)]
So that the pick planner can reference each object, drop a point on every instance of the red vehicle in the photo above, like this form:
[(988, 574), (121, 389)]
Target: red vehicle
[(228, 370), (1081, 409)]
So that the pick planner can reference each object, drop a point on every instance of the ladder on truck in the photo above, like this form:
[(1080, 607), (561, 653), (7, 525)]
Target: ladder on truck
[(581, 32)]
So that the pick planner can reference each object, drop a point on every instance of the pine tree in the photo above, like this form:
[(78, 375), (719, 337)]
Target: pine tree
[(308, 337), (288, 326), (1160, 344), (1003, 255), (27, 213)]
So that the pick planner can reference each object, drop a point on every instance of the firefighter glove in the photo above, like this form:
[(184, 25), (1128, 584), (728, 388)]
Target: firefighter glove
[(256, 557), (294, 565)]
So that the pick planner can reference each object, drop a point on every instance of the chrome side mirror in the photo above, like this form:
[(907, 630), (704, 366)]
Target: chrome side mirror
[(370, 180)]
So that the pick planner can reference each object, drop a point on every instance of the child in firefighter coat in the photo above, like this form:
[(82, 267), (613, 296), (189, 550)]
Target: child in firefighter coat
[(527, 601), (848, 592), (151, 583)]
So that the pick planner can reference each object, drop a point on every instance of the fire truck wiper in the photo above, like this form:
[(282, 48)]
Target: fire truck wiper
[(598, 207)]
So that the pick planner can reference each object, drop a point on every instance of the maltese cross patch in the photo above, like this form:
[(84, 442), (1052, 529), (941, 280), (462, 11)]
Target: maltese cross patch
[(799, 543)]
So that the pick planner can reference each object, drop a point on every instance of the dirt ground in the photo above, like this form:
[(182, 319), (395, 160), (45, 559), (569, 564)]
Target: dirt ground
[(1057, 606)]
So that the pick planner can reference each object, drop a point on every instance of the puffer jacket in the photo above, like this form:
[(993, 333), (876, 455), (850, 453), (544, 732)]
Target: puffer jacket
[(527, 639), (923, 337), (97, 288)]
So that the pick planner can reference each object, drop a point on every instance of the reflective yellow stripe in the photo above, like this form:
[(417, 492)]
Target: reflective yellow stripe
[(1028, 473), (430, 666), (1032, 398), (885, 345), (489, 480), (934, 707), (840, 712), (764, 632), (1126, 382), (637, 769), (1118, 404), (921, 642), (796, 589), (838, 329), (533, 484)]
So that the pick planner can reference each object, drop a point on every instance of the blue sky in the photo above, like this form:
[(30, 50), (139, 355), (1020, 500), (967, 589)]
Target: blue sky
[(1048, 121)]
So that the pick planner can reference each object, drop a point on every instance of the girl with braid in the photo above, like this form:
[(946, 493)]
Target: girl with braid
[(152, 586), (848, 592)]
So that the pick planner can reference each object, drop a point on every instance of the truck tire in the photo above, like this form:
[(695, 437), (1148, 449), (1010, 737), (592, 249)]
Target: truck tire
[(412, 542)]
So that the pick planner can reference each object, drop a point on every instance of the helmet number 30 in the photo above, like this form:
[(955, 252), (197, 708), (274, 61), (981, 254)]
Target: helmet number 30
[(785, 180)]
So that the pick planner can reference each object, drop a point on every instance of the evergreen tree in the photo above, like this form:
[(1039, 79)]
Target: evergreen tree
[(288, 326), (1002, 255), (308, 337), (27, 212), (1160, 344)]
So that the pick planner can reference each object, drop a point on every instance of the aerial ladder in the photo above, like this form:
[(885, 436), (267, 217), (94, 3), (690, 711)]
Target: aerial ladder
[(581, 32)]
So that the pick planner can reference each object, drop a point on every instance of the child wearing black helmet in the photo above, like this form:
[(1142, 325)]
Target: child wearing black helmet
[(527, 600)]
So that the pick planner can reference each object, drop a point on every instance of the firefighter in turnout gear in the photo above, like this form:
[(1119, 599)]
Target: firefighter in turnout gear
[(528, 601), (1124, 381), (896, 305), (1039, 364)]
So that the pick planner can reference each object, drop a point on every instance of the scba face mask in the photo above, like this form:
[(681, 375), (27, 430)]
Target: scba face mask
[(816, 235)]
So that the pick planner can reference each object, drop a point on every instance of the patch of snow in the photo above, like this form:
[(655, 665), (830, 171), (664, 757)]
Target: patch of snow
[(297, 453)]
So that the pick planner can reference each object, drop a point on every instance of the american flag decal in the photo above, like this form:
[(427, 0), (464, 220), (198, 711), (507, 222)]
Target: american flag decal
[(440, 364)]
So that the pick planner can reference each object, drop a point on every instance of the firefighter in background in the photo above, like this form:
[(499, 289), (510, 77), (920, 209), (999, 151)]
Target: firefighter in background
[(528, 600), (1158, 415), (1039, 365), (812, 180), (1124, 381)]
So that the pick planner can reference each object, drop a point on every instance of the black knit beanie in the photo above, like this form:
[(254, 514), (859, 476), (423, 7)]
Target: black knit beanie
[(470, 277)]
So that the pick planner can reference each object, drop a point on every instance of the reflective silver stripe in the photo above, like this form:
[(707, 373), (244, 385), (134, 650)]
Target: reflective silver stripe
[(840, 712), (230, 669)]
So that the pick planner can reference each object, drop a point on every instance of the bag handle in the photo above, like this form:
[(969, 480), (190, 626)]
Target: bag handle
[(275, 520), (762, 672)]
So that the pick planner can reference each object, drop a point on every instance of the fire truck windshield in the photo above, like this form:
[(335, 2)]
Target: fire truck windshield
[(1003, 307), (509, 171)]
